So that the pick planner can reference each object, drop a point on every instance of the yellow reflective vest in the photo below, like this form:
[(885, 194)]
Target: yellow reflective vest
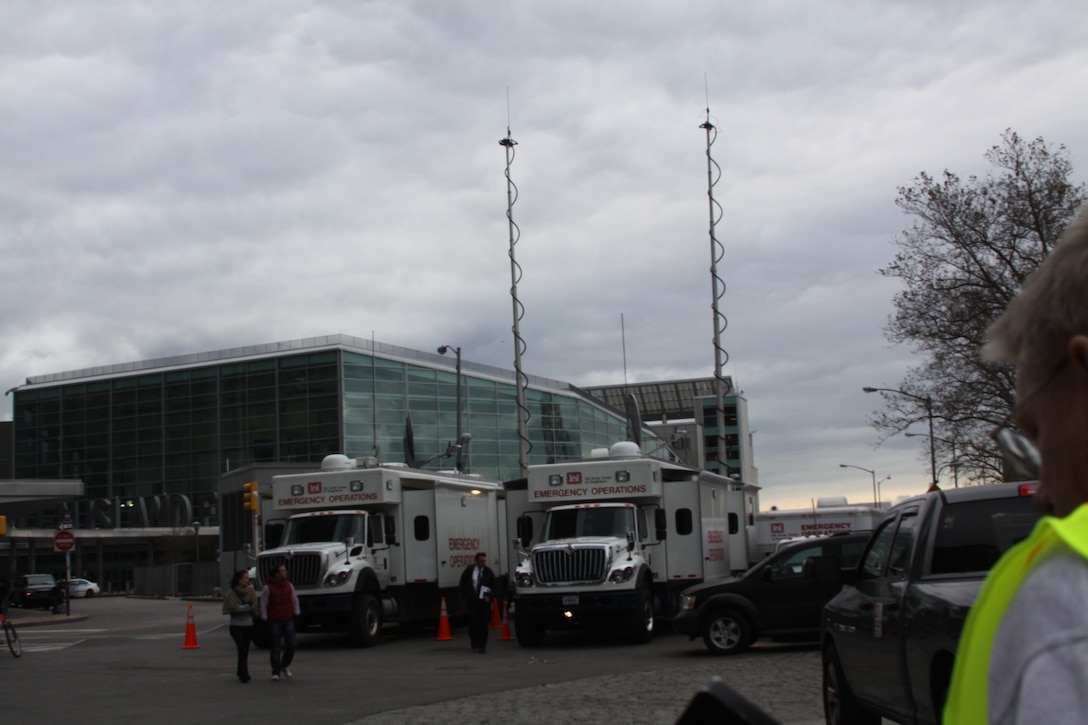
[(968, 695)]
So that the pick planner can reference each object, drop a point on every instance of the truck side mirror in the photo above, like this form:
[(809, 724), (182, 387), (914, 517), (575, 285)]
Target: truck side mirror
[(660, 524), (630, 540), (525, 530)]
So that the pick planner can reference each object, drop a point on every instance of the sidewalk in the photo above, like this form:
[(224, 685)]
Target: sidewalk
[(41, 617)]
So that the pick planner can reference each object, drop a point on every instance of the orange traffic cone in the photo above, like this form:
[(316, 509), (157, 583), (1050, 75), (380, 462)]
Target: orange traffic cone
[(496, 618), (506, 636), (190, 632), (444, 625)]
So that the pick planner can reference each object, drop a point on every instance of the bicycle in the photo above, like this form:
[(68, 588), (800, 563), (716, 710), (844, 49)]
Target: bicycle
[(11, 635)]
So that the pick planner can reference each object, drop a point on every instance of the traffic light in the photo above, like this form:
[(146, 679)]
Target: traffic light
[(251, 498), (3, 525)]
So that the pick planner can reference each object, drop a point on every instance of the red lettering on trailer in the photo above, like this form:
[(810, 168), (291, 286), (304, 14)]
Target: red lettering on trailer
[(464, 544), (714, 537), (313, 487), (458, 561), (716, 554), (574, 478), (778, 528)]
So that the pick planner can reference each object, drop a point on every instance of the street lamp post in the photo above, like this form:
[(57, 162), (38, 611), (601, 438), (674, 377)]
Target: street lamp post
[(457, 352), (928, 401), (954, 465), (872, 473), (878, 495), (196, 541)]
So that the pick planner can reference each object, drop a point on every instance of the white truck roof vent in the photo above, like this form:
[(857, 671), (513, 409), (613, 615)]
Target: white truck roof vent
[(337, 462), (599, 453), (625, 449)]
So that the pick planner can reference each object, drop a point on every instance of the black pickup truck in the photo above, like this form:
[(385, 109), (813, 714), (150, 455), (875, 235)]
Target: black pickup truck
[(889, 637)]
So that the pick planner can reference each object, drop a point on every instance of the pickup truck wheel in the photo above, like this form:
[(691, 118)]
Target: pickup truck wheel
[(727, 632), (642, 619), (529, 630), (366, 621), (840, 707)]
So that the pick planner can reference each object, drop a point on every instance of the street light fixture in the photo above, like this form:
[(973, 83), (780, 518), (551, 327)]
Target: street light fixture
[(459, 464), (928, 401), (872, 473)]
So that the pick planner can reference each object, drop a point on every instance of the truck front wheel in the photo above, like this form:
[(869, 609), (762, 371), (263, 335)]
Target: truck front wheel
[(529, 629), (727, 632), (840, 707), (366, 620), (642, 619)]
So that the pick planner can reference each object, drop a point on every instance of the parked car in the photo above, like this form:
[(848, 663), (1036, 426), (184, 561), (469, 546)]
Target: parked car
[(889, 637), (772, 599), (36, 590), (82, 588)]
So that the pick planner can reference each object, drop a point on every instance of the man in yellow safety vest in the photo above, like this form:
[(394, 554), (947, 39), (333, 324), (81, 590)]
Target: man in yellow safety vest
[(1023, 655)]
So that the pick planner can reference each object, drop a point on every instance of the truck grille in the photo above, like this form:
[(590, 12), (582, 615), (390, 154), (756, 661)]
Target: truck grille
[(570, 565), (303, 570)]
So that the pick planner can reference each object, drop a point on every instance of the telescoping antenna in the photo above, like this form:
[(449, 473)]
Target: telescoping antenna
[(524, 446), (717, 252)]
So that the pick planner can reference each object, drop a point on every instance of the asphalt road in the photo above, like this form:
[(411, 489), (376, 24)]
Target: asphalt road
[(125, 661)]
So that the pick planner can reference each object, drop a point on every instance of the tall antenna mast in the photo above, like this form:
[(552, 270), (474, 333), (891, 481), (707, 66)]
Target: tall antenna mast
[(717, 251), (623, 339), (524, 446)]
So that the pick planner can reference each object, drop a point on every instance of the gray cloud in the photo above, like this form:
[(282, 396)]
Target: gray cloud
[(186, 178)]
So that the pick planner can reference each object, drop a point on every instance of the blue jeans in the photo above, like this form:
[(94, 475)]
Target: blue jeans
[(286, 630)]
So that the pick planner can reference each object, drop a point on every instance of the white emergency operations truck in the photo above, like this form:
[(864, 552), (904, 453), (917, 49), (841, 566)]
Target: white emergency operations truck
[(773, 527), (367, 543), (609, 542)]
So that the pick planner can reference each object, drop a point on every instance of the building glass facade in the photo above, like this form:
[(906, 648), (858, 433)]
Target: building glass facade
[(174, 425)]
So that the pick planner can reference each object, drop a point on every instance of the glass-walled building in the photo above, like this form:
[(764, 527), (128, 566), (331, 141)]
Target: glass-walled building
[(174, 425)]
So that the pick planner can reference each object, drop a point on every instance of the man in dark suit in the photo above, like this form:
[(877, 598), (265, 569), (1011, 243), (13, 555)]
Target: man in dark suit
[(477, 588)]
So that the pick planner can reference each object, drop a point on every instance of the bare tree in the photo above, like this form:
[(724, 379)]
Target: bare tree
[(962, 260)]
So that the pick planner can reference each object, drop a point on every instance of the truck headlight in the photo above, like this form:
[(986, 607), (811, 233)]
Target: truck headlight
[(336, 578), (523, 579), (621, 575), (687, 602)]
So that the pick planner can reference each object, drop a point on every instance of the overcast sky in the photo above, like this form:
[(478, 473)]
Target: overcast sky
[(185, 177)]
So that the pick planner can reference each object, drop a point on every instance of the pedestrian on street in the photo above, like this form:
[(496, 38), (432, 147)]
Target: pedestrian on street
[(241, 604), (279, 607), (477, 588), (1023, 655)]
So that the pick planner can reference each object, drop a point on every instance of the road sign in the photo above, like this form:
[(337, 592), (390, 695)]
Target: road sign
[(64, 541)]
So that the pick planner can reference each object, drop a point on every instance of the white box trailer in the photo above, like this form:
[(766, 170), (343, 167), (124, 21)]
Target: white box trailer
[(773, 527), (366, 545), (611, 541)]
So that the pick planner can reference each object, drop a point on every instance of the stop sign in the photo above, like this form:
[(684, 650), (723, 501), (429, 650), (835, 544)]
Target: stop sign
[(64, 541)]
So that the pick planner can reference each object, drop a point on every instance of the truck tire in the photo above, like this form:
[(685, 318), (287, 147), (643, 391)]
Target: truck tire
[(840, 707), (366, 620), (727, 632), (529, 629), (642, 619)]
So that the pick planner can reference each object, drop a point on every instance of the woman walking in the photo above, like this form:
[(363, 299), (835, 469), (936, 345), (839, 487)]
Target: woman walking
[(241, 603)]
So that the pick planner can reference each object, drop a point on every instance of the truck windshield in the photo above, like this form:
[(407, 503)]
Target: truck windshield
[(605, 521), (319, 529)]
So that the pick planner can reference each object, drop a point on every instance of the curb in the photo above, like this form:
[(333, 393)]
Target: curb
[(43, 620)]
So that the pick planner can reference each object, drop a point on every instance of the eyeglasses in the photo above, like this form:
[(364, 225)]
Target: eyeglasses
[(1020, 454)]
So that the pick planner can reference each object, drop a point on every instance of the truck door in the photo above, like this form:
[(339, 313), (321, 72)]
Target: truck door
[(881, 583), (419, 537), (377, 549)]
